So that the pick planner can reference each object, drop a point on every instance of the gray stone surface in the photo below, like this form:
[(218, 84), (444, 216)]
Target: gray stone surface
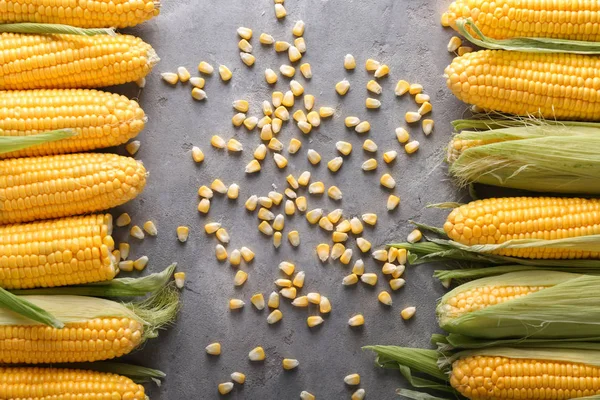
[(402, 33)]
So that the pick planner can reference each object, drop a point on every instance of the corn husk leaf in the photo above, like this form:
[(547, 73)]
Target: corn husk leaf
[(53, 29), (454, 341), (119, 287), (412, 394), (543, 158), (16, 143), (19, 306), (466, 274), (569, 307), (137, 373), (408, 360), (497, 120), (468, 28), (441, 250)]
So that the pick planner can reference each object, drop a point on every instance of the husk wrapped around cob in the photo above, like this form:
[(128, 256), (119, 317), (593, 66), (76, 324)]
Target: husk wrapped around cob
[(541, 157)]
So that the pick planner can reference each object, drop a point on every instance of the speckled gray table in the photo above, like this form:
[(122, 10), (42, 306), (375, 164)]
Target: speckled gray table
[(402, 33)]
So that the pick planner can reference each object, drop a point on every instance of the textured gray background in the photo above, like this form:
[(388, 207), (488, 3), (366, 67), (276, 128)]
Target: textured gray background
[(406, 35)]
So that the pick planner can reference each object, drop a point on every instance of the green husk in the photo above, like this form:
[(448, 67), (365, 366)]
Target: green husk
[(496, 120), (569, 307), (468, 28), (136, 373), (411, 394), (22, 307), (454, 341), (466, 274), (543, 158), (53, 29), (119, 287), (16, 143)]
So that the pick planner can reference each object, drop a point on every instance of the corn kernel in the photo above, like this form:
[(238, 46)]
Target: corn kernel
[(301, 204), (270, 76), (124, 250), (363, 127), (408, 312), (214, 349), (342, 87), (335, 215), (309, 101), (415, 88), (218, 142), (205, 68), (234, 146), (257, 354), (274, 317), (401, 87), (381, 71), (414, 236), (324, 305), (454, 44), (199, 94), (290, 194), (179, 279), (140, 263), (349, 62), (300, 44), (298, 29), (299, 115), (197, 154), (265, 215), (133, 147), (253, 166), (238, 119), (369, 145), (412, 116), (392, 254), (244, 46), (204, 206), (337, 250), (306, 71), (356, 226), (427, 126), (422, 98), (250, 123), (240, 278), (359, 267), (313, 118), (313, 216), (352, 379), (218, 186), (346, 257), (280, 160), (198, 82), (278, 222), (326, 224), (372, 65), (282, 113), (126, 266), (334, 193), (343, 226), (369, 165), (212, 227), (297, 90), (225, 73), (294, 238), (260, 153), (294, 146), (298, 280), (462, 50), (356, 320), (323, 251), (316, 188), (388, 268), (287, 70), (288, 292), (425, 109), (245, 33), (150, 228), (372, 103), (350, 280), (283, 283), (304, 395), (247, 58), (170, 77), (358, 395), (276, 99), (390, 156), (273, 300), (369, 279), (280, 11), (411, 147), (290, 208), (312, 322), (247, 254), (351, 122), (235, 258), (396, 284), (305, 127), (123, 220), (235, 304), (281, 46), (294, 54), (335, 164), (339, 237), (304, 178), (325, 112), (363, 244), (301, 301), (387, 181), (373, 86), (343, 147), (238, 377), (258, 301), (397, 273), (265, 228), (380, 255), (220, 252)]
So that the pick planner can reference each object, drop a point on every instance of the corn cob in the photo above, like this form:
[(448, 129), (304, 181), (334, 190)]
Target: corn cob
[(561, 86), (94, 329), (498, 220), (60, 383), (65, 185), (100, 119), (503, 19), (32, 61), (59, 252), (98, 14)]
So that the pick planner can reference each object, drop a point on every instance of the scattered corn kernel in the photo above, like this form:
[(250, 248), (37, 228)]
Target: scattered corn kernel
[(218, 186), (454, 44), (253, 166), (290, 208), (170, 77), (408, 312), (349, 61), (140, 263), (288, 292), (301, 203), (309, 101), (179, 279), (411, 147), (325, 112), (287, 267), (343, 147), (258, 301), (346, 256), (415, 88), (247, 254), (198, 94), (313, 157), (312, 322), (390, 156), (126, 266), (235, 304), (462, 50), (238, 119), (225, 73), (225, 387), (306, 71), (280, 160), (123, 220), (283, 283), (369, 279), (313, 297), (350, 280), (290, 363), (304, 395), (363, 127), (124, 250), (324, 305), (250, 123), (387, 181), (240, 278), (294, 238), (352, 379), (296, 88), (260, 152), (372, 65), (220, 252), (388, 268), (342, 87), (214, 349), (401, 87), (304, 178), (422, 98), (294, 54), (300, 44), (198, 82), (358, 395), (266, 133), (270, 76), (412, 116), (351, 122), (425, 109), (234, 145), (323, 251), (339, 237), (335, 164), (374, 87), (251, 203), (205, 68), (282, 113), (380, 255), (316, 188), (392, 254), (414, 236), (280, 11), (287, 70), (299, 115), (273, 300), (133, 147), (244, 46), (212, 227), (335, 215), (257, 354), (276, 98), (337, 250), (265, 228), (245, 33), (326, 224), (298, 280), (396, 284), (344, 226), (381, 71), (235, 258), (356, 320), (238, 377), (274, 317), (298, 29), (398, 272), (334, 193), (427, 126), (305, 127), (356, 226), (363, 244), (313, 118), (369, 145), (150, 228), (218, 142), (359, 267)]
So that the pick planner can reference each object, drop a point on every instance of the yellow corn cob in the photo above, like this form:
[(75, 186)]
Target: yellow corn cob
[(60, 383), (101, 119), (489, 377), (553, 86), (32, 61), (65, 185), (502, 19), (60, 252), (497, 220)]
